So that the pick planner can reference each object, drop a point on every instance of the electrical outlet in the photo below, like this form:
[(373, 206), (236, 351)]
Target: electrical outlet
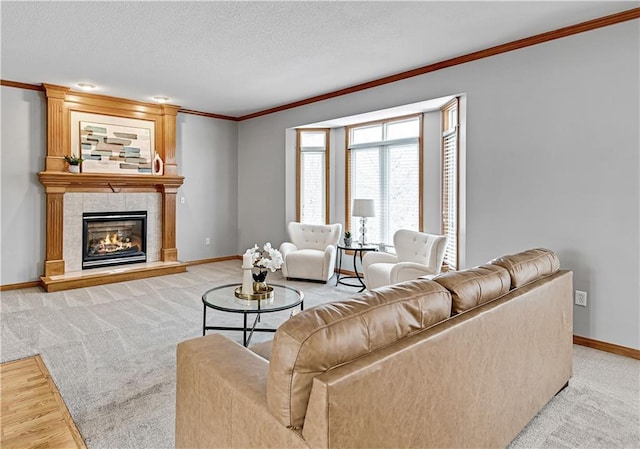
[(581, 298), (181, 200), (207, 241)]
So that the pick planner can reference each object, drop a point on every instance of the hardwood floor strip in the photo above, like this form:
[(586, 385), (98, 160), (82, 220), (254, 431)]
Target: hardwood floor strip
[(33, 413)]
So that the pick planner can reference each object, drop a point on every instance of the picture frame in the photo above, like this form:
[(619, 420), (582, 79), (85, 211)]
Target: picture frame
[(110, 144)]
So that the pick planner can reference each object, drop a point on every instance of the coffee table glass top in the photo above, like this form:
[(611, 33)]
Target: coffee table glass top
[(223, 298)]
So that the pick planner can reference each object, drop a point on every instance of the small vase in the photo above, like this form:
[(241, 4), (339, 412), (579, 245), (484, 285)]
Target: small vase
[(348, 241), (260, 287), (157, 166), (74, 169), (260, 281)]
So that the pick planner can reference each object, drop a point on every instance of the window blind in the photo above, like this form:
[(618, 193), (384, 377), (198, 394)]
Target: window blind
[(450, 184), (312, 181)]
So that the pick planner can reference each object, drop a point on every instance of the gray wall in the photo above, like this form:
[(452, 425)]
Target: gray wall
[(22, 209), (206, 153), (551, 155), (207, 159)]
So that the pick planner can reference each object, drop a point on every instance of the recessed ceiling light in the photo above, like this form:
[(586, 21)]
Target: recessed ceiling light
[(86, 86), (161, 99)]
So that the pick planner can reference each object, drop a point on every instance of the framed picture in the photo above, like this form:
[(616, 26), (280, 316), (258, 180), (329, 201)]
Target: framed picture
[(113, 144)]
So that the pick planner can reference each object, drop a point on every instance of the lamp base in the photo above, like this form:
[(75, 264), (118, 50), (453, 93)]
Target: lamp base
[(363, 231)]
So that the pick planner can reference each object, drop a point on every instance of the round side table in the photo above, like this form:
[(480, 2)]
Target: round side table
[(357, 250)]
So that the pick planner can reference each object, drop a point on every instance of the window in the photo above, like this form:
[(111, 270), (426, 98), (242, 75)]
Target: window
[(313, 176), (450, 183), (384, 163)]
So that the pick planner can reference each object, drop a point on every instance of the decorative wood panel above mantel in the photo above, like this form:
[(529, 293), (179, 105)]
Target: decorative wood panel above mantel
[(61, 103)]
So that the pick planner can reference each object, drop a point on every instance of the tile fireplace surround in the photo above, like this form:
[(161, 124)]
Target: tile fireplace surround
[(68, 195), (75, 204)]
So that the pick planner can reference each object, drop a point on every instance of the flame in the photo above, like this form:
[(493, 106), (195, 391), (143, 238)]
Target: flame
[(112, 243)]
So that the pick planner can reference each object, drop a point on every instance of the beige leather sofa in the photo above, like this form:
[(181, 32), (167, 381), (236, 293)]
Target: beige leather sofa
[(464, 360)]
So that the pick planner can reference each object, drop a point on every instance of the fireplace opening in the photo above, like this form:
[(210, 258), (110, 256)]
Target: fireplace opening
[(113, 238)]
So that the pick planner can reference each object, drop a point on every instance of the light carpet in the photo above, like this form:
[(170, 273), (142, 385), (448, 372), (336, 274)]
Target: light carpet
[(111, 352)]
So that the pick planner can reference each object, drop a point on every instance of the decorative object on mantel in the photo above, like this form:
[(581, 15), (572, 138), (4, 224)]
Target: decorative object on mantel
[(261, 261), (74, 163), (157, 166), (348, 240)]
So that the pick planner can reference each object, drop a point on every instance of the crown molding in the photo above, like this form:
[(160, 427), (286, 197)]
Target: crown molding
[(481, 54), (209, 114), (20, 85), (613, 19)]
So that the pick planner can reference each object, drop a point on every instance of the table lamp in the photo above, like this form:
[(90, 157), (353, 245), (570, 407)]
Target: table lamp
[(363, 208)]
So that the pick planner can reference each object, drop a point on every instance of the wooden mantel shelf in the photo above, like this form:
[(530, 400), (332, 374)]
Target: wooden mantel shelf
[(63, 181)]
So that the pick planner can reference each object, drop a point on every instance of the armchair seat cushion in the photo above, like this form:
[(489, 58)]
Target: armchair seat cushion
[(378, 275), (305, 264)]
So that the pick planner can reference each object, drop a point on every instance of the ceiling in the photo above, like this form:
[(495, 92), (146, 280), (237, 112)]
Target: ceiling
[(235, 58)]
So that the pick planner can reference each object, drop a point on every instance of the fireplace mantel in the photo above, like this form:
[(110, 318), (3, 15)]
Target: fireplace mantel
[(57, 181), (61, 182)]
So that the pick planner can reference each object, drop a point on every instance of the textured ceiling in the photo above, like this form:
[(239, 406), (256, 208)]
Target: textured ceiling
[(235, 58)]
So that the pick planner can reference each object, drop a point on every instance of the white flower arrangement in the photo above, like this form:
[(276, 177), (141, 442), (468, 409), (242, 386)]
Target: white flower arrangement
[(269, 257)]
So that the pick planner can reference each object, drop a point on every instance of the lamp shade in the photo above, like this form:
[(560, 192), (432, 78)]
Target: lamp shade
[(363, 208)]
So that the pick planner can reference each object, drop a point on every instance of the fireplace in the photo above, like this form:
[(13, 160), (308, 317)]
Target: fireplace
[(113, 238)]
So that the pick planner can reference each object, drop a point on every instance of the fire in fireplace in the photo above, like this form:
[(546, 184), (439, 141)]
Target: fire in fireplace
[(113, 238)]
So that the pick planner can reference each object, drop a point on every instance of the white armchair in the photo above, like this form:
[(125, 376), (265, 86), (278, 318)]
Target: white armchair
[(311, 254), (418, 255)]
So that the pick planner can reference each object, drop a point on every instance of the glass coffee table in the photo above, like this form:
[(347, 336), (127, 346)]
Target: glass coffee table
[(223, 299)]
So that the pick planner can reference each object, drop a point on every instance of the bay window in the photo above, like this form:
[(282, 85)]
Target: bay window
[(384, 163)]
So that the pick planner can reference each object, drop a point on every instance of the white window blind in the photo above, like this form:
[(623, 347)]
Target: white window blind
[(450, 183), (312, 188), (384, 162)]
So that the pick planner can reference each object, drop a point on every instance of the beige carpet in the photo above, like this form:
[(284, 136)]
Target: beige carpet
[(111, 352)]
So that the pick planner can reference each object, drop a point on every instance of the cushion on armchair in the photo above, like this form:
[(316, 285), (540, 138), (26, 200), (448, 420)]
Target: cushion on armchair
[(329, 335)]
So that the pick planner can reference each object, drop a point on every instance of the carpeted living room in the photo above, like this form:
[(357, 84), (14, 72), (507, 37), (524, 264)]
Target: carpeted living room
[(464, 274)]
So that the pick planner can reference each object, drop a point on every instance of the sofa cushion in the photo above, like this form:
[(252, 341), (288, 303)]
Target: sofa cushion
[(474, 286), (529, 265), (263, 349), (323, 337)]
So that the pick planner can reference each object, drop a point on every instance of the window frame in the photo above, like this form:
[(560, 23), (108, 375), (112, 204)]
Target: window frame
[(348, 166), (327, 160), (446, 130)]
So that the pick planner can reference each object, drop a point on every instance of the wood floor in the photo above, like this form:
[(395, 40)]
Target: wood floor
[(33, 413)]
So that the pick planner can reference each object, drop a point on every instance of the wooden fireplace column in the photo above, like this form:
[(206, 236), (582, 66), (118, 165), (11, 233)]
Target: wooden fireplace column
[(57, 180)]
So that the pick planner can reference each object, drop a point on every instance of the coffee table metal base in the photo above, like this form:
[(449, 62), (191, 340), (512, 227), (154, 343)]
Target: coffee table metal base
[(245, 339)]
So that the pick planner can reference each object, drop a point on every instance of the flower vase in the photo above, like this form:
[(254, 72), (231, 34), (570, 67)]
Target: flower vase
[(260, 281)]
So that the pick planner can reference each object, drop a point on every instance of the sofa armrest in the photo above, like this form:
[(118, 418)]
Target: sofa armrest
[(329, 262), (221, 398), (406, 271), (372, 257), (286, 248)]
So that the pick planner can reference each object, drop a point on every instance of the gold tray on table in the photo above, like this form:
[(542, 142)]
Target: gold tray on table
[(267, 294)]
